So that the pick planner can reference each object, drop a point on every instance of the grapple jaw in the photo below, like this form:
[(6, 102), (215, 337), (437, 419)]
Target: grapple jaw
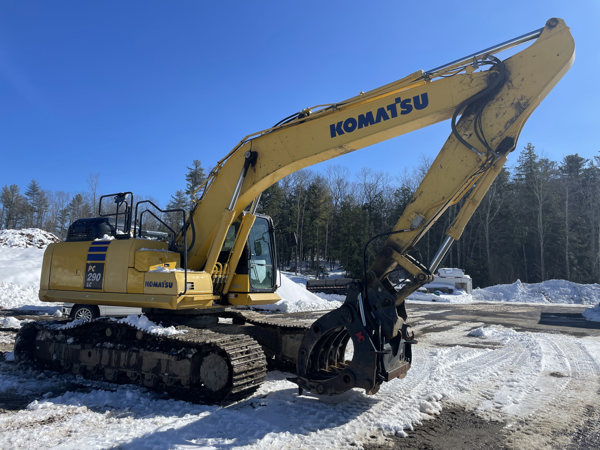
[(381, 346)]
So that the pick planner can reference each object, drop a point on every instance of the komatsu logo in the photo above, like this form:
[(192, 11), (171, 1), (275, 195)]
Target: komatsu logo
[(159, 284), (401, 106)]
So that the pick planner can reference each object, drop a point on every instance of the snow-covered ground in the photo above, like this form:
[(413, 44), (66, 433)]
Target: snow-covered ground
[(536, 379)]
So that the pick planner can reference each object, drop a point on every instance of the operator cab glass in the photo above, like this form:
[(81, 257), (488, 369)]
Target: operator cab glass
[(261, 264), (90, 229)]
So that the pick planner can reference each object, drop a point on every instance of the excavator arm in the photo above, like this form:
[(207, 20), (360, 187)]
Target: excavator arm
[(488, 102), (373, 315)]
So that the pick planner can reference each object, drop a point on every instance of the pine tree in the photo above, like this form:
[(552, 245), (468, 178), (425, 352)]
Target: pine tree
[(317, 214), (37, 202), (194, 178), (571, 170), (14, 207), (178, 201), (78, 208)]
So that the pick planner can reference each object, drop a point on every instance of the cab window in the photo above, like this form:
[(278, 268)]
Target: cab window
[(261, 268)]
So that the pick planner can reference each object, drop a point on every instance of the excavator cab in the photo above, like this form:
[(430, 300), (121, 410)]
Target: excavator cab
[(258, 259), (89, 229), (246, 271)]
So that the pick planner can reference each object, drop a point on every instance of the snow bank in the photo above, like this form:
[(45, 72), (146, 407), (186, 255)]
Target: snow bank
[(551, 291), (10, 322), (22, 266), (14, 296), (295, 297), (21, 255), (456, 297), (27, 238), (592, 314)]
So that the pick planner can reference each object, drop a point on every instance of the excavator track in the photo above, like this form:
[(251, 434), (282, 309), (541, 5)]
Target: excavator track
[(196, 365), (280, 334)]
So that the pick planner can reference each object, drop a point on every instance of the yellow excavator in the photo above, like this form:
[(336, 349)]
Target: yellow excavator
[(204, 274)]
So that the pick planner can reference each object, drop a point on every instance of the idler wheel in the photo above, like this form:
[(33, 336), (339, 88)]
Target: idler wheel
[(215, 372)]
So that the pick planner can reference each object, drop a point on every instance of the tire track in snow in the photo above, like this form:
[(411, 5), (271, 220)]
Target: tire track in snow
[(536, 381), (567, 395)]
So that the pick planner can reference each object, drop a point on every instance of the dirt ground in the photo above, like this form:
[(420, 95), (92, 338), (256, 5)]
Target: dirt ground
[(458, 429), (454, 428)]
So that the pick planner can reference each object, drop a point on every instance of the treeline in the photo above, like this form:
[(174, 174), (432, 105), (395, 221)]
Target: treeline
[(37, 208), (55, 211), (540, 220)]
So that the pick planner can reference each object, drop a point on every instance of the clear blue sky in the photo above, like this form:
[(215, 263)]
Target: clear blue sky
[(136, 90)]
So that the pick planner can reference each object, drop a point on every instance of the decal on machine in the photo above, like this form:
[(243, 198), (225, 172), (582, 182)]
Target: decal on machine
[(94, 273), (94, 267), (401, 106), (159, 284)]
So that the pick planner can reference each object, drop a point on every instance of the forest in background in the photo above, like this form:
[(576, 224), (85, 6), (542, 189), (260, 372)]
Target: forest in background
[(539, 221)]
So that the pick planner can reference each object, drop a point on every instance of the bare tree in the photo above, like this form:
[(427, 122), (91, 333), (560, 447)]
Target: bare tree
[(93, 185), (339, 185)]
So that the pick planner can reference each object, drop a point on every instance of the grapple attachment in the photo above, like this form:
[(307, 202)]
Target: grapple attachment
[(380, 345)]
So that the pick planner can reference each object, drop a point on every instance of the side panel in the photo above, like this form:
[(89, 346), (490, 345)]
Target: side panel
[(67, 268), (47, 261), (130, 272), (256, 298), (239, 295)]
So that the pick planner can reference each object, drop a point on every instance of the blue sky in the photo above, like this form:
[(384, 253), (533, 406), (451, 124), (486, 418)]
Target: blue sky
[(136, 90)]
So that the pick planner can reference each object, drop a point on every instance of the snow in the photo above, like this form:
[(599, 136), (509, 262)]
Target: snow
[(512, 379), (551, 291), (481, 332), (295, 297), (27, 238), (14, 295), (455, 297), (10, 322), (498, 372), (21, 266), (142, 323), (593, 313)]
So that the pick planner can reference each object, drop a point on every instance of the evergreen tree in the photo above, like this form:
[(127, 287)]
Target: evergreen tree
[(532, 196), (273, 203), (352, 221), (317, 216), (14, 207), (592, 206), (78, 208), (37, 205), (178, 201), (194, 178), (571, 170)]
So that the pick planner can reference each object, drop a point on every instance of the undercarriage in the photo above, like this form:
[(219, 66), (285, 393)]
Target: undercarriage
[(224, 361)]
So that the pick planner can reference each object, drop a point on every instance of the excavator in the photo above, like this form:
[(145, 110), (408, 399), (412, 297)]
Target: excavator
[(209, 273)]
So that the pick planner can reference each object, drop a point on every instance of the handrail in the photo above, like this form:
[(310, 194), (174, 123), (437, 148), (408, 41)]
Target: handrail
[(138, 232)]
